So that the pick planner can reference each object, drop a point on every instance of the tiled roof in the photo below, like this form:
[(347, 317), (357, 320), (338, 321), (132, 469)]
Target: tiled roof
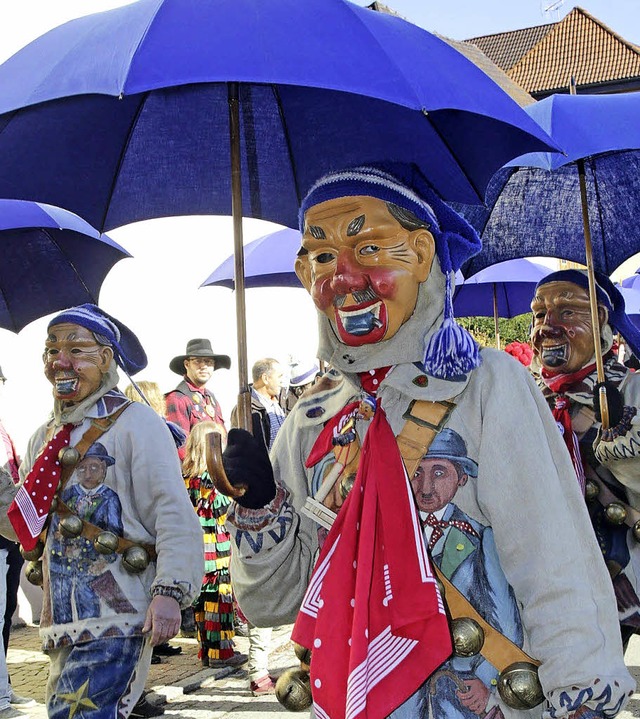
[(506, 48), (579, 45)]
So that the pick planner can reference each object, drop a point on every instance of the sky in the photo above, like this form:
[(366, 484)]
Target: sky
[(157, 293)]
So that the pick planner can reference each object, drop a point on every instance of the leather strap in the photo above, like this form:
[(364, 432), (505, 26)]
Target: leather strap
[(91, 531), (424, 420), (606, 497)]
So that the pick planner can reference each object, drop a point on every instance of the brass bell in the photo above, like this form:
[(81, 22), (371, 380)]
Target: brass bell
[(591, 490), (636, 531), (71, 526), (135, 559), (615, 513), (293, 690), (303, 654), (346, 485), (32, 555), (68, 457), (33, 572), (519, 686), (54, 503), (468, 637), (106, 543)]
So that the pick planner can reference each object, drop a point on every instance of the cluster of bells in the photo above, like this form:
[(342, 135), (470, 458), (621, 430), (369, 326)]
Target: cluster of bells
[(135, 558), (614, 512), (518, 684)]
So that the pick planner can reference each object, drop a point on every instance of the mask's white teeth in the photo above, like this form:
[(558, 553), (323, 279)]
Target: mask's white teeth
[(372, 309)]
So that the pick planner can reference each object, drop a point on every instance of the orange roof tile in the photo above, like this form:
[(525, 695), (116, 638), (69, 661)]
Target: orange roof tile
[(543, 59)]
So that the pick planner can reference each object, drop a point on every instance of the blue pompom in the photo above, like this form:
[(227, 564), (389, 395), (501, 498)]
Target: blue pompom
[(451, 352)]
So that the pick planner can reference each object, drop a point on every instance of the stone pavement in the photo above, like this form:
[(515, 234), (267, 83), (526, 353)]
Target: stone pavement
[(28, 667), (183, 675)]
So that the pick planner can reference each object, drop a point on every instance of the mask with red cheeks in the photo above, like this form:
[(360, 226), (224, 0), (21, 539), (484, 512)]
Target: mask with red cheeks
[(561, 333), (74, 362), (362, 267)]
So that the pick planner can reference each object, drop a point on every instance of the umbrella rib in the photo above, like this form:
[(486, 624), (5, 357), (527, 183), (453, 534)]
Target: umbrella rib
[(71, 264), (123, 152), (287, 138)]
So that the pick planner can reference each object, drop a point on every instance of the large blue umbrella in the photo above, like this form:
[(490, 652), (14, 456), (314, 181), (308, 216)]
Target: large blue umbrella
[(173, 107), (51, 259), (268, 262), (583, 206), (533, 206)]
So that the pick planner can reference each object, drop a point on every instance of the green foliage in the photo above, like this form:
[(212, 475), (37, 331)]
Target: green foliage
[(482, 328)]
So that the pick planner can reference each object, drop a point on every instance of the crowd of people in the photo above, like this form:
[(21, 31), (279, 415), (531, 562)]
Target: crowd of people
[(454, 532)]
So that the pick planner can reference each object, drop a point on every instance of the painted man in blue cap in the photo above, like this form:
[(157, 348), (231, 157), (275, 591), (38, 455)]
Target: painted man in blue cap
[(75, 563), (607, 462), (141, 562), (379, 253), (465, 551)]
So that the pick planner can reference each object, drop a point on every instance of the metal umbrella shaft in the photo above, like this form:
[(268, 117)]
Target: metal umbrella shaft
[(593, 300), (495, 314), (244, 394)]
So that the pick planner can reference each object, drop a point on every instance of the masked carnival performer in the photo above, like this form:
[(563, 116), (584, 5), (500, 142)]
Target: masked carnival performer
[(411, 400), (103, 517), (607, 461)]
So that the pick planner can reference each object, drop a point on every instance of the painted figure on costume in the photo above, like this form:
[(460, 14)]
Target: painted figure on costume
[(465, 552), (75, 566), (607, 462), (469, 432), (104, 521)]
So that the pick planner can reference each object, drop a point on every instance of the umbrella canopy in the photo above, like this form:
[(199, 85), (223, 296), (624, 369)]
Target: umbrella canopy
[(268, 262), (533, 207), (502, 290), (51, 259), (133, 102), (632, 282), (176, 107)]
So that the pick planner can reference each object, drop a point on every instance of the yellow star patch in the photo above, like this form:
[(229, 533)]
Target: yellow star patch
[(78, 700)]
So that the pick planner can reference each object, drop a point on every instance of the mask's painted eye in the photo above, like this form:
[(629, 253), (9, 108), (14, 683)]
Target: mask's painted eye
[(369, 250), (324, 257)]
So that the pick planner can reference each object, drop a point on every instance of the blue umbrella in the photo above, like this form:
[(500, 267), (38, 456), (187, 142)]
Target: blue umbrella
[(502, 290), (533, 206), (583, 206), (268, 262), (174, 107), (51, 259), (632, 282)]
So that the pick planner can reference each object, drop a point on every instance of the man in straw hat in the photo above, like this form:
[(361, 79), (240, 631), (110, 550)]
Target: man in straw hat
[(100, 653), (191, 402), (607, 461), (379, 253)]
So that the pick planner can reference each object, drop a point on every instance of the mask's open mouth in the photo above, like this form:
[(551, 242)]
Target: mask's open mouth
[(361, 321), (554, 356)]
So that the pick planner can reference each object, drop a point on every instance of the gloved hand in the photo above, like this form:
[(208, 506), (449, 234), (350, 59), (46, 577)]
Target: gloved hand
[(246, 461), (615, 402)]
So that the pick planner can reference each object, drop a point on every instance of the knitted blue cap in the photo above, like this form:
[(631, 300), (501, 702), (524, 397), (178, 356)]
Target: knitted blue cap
[(609, 296), (451, 351), (127, 350)]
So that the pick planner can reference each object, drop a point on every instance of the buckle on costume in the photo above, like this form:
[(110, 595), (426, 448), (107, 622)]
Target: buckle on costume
[(444, 406)]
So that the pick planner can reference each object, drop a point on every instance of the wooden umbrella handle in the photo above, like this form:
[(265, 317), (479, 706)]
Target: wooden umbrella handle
[(216, 468)]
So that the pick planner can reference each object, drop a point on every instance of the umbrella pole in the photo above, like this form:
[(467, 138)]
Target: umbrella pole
[(495, 315), (244, 394), (593, 299)]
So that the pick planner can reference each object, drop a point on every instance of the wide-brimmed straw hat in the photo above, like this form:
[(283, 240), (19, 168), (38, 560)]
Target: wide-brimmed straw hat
[(199, 348)]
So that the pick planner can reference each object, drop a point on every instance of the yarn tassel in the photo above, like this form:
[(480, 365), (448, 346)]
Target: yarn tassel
[(451, 351)]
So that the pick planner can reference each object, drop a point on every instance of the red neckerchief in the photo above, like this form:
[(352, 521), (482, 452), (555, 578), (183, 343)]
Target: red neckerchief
[(560, 383), (372, 614), (30, 508)]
